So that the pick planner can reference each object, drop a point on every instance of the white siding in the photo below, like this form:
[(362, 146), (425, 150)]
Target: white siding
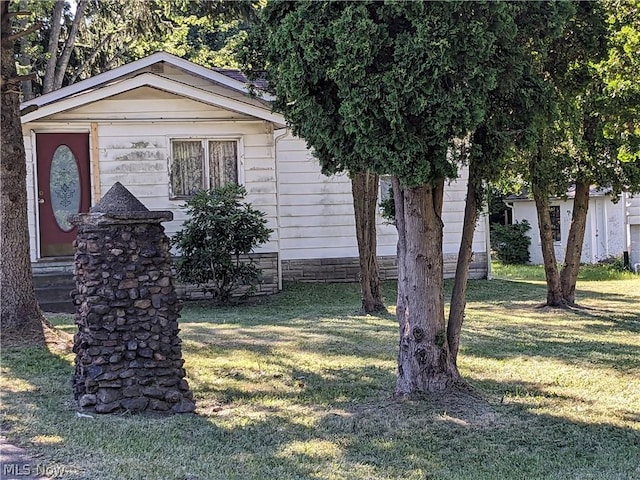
[(604, 231), (633, 209), (316, 211), (633, 219), (147, 103), (635, 247), (311, 214), (136, 153)]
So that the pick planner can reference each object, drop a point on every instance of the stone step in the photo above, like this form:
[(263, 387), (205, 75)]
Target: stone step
[(53, 292)]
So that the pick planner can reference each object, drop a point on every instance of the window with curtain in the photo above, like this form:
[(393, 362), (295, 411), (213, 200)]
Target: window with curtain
[(202, 164)]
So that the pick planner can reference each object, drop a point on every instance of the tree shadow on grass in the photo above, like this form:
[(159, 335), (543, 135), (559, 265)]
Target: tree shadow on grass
[(537, 344), (505, 441), (34, 381), (342, 425)]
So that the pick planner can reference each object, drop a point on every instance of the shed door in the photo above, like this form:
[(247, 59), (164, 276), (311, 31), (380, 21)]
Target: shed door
[(63, 188)]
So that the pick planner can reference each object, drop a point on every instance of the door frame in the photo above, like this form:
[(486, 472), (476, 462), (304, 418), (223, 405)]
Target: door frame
[(61, 129)]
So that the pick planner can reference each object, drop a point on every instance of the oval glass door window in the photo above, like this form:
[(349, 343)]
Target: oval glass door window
[(64, 184)]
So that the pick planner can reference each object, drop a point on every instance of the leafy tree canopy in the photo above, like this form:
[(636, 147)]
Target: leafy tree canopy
[(382, 86), (110, 33)]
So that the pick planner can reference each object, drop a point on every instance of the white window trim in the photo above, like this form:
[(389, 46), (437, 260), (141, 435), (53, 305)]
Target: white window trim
[(182, 138)]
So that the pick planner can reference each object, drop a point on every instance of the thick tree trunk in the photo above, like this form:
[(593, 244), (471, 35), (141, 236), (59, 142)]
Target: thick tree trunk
[(19, 311), (458, 295), (364, 186), (554, 293), (575, 240), (424, 360)]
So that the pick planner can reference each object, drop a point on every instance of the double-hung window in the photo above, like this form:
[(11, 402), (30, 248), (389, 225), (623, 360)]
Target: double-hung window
[(200, 164)]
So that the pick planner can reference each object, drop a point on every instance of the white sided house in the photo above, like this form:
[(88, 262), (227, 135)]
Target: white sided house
[(164, 127), (612, 228)]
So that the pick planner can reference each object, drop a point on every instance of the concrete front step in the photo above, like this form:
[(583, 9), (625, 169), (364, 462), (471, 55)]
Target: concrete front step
[(53, 281), (54, 292)]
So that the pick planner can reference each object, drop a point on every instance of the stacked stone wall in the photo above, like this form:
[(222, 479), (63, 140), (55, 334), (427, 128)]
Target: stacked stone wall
[(128, 353)]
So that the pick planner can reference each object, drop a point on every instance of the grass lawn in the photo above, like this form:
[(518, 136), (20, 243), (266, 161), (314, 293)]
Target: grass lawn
[(300, 386)]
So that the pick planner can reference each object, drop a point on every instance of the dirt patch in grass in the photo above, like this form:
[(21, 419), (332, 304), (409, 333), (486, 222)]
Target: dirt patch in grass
[(37, 336), (455, 409)]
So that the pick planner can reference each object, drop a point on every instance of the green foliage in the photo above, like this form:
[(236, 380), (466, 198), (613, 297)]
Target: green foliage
[(510, 243), (615, 264), (620, 71), (388, 207), (586, 125), (495, 204), (220, 230), (205, 32), (382, 86), (114, 32)]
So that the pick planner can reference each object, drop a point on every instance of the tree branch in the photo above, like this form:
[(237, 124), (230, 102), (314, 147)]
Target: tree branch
[(19, 13), (12, 38), (91, 58), (63, 61), (18, 79), (117, 54), (52, 48)]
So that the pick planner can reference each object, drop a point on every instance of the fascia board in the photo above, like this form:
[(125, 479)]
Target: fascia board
[(162, 83), (124, 70)]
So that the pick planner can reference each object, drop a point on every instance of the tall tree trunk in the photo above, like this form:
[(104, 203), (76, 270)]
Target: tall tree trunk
[(19, 311), (458, 295), (364, 186), (575, 240), (65, 55), (554, 293), (424, 360), (52, 48)]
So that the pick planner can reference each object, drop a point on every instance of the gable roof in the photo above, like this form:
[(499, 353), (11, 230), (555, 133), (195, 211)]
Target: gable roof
[(260, 84), (133, 75)]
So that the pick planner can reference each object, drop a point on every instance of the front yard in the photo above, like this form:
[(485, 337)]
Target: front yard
[(300, 386)]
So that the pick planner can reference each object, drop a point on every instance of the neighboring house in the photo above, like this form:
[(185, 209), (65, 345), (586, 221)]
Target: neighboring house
[(612, 227), (164, 127)]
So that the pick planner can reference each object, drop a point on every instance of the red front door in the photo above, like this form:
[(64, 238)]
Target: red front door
[(63, 188)]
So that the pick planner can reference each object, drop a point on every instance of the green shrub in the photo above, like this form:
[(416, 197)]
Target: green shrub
[(613, 263), (510, 243), (388, 206), (220, 230)]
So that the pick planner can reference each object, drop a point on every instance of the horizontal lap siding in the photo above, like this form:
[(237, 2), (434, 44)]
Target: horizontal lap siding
[(135, 152), (316, 211), (348, 269), (140, 162), (633, 210)]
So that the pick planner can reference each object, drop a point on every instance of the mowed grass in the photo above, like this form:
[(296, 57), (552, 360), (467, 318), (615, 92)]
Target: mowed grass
[(299, 386)]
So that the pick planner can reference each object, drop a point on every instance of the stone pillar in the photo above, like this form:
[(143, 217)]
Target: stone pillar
[(128, 354)]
